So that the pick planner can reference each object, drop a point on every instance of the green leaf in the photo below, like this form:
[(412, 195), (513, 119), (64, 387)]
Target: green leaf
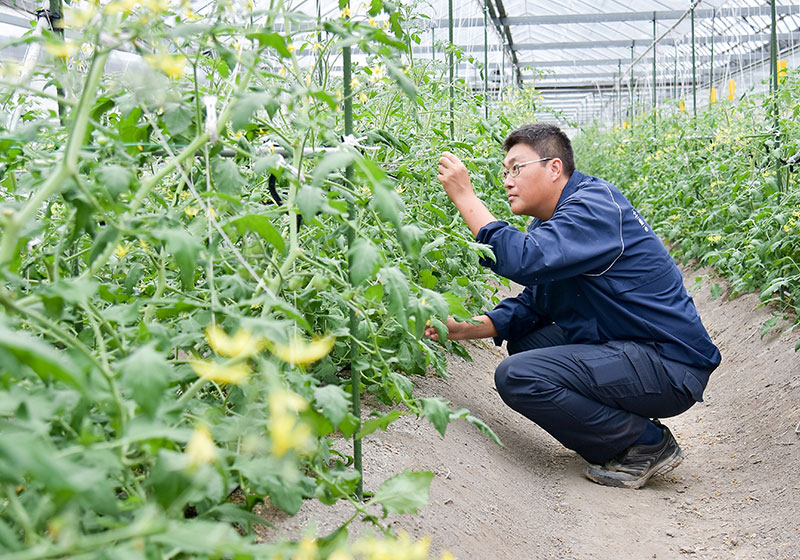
[(177, 117), (363, 257), (42, 358), (716, 291), (74, 290), (185, 248), (107, 235), (272, 40), (397, 293), (411, 236), (768, 324), (333, 401), (388, 205), (457, 309), (405, 492), (427, 278), (402, 80), (379, 423), (332, 161), (311, 200), (483, 250), (245, 106), (226, 177), (437, 411), (116, 179), (477, 422), (437, 302), (260, 225), (146, 374)]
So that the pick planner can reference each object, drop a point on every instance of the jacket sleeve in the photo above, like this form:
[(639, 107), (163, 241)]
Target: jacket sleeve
[(584, 236), (514, 317)]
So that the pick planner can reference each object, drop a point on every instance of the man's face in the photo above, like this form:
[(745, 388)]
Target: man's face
[(531, 193)]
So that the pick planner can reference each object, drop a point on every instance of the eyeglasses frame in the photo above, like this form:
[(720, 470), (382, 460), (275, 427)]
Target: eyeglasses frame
[(516, 168)]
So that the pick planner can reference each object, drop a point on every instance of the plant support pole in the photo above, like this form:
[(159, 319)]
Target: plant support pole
[(655, 84), (450, 62), (485, 66), (694, 70), (355, 373), (632, 112), (773, 67)]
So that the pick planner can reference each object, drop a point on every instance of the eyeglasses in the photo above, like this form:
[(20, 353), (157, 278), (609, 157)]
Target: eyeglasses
[(515, 169)]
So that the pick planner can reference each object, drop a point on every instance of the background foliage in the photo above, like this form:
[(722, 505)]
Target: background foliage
[(720, 188), (177, 283)]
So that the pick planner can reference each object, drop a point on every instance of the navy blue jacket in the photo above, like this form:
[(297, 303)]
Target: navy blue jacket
[(598, 271)]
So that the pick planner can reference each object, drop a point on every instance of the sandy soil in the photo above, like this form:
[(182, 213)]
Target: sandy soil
[(736, 495)]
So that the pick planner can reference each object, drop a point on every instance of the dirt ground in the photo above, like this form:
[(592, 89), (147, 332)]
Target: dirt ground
[(736, 494)]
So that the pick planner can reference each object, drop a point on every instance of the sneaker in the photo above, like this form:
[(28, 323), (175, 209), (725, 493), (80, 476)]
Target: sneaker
[(633, 467)]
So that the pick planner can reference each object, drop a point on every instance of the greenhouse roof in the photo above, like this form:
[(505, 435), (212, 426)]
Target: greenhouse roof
[(589, 59)]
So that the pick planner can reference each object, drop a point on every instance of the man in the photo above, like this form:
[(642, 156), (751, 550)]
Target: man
[(604, 336)]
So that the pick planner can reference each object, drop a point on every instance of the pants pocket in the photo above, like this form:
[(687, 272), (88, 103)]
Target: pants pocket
[(620, 369)]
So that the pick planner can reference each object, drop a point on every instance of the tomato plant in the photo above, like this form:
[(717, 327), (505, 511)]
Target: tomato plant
[(178, 285)]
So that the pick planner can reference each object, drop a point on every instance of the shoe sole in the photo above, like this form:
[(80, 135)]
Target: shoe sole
[(635, 484)]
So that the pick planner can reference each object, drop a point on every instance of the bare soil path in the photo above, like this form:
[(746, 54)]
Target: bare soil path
[(736, 495)]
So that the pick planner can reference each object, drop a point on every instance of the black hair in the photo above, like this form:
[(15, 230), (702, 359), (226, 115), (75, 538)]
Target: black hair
[(547, 140)]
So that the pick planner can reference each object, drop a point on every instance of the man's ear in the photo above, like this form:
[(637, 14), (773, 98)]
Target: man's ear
[(556, 169)]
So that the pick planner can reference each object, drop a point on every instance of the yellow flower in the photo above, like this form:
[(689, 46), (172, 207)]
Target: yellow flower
[(786, 228), (78, 18), (346, 11), (122, 250), (298, 351), (201, 447), (120, 6), (363, 98), (156, 6), (282, 72), (236, 374), (285, 430), (386, 24), (191, 211), (61, 50), (308, 79), (283, 401), (372, 22), (287, 434), (171, 64), (316, 47), (211, 214), (307, 550), (402, 548), (713, 238), (242, 345), (354, 83)]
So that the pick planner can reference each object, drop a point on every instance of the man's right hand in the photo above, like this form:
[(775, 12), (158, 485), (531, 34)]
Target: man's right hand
[(465, 331)]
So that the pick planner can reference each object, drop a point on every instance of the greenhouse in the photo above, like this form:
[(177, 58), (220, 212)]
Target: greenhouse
[(310, 280)]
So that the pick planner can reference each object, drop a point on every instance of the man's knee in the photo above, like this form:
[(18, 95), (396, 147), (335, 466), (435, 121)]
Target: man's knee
[(517, 381)]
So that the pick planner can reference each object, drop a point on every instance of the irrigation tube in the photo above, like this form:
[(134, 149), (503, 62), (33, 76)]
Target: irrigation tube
[(355, 373)]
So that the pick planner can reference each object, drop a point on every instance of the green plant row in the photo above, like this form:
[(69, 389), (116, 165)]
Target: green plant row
[(720, 188), (177, 284)]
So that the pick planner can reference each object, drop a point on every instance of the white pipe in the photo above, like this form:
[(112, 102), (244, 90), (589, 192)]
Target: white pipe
[(32, 54)]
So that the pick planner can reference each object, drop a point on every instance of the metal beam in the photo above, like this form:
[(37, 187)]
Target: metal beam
[(563, 19), (646, 42)]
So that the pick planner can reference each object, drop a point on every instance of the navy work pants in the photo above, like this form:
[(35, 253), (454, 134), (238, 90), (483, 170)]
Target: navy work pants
[(594, 398)]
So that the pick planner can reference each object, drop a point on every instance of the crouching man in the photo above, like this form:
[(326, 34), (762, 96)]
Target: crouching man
[(604, 339)]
